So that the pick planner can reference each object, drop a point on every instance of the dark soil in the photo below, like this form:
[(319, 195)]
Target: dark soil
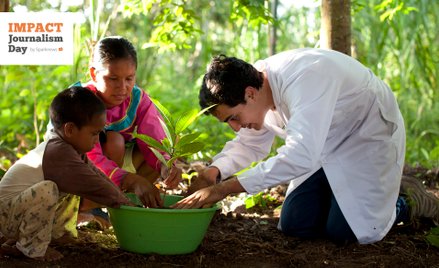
[(251, 239)]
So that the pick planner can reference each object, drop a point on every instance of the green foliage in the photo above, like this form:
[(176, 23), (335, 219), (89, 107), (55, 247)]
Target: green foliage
[(174, 22), (26, 94), (261, 199), (252, 11), (433, 237), (175, 39), (2, 172), (176, 144), (390, 8), (397, 45)]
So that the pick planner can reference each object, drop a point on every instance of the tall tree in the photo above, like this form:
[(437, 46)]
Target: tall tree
[(273, 29), (335, 30), (4, 5)]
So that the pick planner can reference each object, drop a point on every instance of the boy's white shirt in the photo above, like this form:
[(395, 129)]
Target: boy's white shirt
[(333, 114), (19, 179)]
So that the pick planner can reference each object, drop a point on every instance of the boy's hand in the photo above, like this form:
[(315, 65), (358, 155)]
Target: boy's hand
[(171, 178), (148, 194)]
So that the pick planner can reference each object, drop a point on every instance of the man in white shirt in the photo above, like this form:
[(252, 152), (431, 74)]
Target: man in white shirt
[(344, 143)]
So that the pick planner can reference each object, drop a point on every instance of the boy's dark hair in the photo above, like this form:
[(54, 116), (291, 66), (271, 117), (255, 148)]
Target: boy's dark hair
[(226, 80), (75, 104), (113, 48)]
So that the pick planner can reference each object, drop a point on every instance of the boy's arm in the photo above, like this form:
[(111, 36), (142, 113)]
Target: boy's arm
[(72, 174)]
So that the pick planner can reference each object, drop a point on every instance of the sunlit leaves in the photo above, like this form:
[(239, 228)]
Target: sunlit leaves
[(252, 11), (390, 8), (402, 50), (175, 22), (261, 199), (395, 39)]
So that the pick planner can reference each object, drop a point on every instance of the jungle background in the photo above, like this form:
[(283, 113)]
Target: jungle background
[(175, 40)]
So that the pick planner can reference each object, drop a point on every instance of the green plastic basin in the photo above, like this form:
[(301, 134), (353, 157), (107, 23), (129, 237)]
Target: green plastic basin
[(160, 230)]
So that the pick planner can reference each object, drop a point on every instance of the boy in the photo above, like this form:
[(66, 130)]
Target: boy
[(39, 194)]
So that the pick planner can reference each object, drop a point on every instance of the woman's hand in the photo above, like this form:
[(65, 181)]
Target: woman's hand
[(148, 194)]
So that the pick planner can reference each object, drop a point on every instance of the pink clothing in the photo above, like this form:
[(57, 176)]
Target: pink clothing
[(136, 111)]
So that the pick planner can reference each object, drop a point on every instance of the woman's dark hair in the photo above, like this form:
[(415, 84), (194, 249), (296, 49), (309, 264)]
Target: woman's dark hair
[(113, 48), (75, 104), (226, 80)]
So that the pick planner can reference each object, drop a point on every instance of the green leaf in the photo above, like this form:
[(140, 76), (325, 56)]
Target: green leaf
[(434, 231), (433, 239), (185, 120), (259, 199), (252, 201), (185, 139), (188, 118), (191, 148), (24, 93), (164, 112), (178, 11), (151, 142), (206, 109), (169, 133), (158, 155), (6, 113), (172, 160), (167, 144)]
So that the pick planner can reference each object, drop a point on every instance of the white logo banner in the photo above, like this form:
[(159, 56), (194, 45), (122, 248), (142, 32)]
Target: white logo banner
[(36, 38)]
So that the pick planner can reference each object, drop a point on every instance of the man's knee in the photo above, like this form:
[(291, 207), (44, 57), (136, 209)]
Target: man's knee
[(296, 225), (339, 232)]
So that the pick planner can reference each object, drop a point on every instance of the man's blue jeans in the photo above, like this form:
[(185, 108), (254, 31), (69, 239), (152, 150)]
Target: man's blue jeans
[(311, 211)]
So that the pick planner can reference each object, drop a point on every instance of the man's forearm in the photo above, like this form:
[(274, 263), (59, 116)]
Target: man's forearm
[(230, 186)]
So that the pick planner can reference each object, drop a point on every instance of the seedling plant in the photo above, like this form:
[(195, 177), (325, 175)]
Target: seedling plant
[(177, 144)]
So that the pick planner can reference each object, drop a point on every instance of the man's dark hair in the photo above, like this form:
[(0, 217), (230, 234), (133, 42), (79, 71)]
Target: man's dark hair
[(75, 104), (226, 80), (113, 48)]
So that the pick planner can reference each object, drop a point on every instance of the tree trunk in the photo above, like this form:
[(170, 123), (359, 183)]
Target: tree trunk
[(335, 32), (4, 5), (273, 29)]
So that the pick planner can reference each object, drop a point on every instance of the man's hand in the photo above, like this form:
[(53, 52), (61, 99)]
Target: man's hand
[(210, 195), (205, 178), (148, 194), (201, 198), (171, 178)]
